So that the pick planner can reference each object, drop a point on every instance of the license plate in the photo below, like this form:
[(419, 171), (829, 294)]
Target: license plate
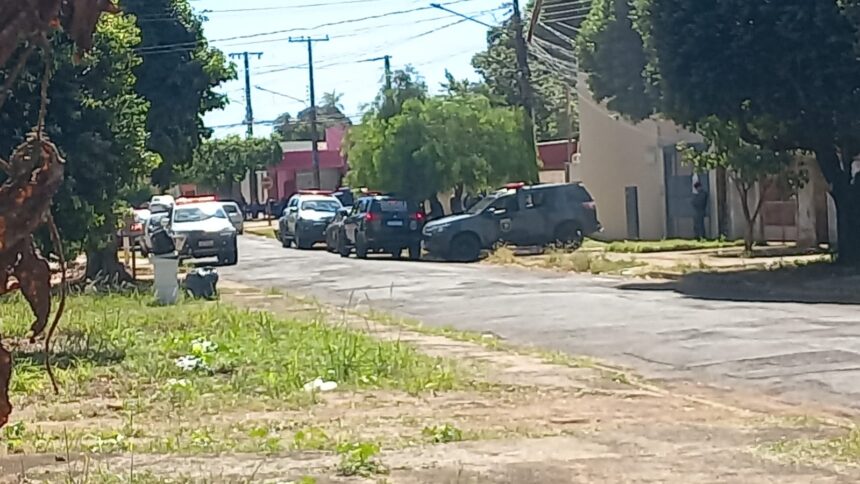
[(206, 243), (395, 223)]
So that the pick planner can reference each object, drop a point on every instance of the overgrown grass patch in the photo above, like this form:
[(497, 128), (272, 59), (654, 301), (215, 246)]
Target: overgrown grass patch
[(668, 245), (559, 259), (841, 449), (195, 358), (268, 232)]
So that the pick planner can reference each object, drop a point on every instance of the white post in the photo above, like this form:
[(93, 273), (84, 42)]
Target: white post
[(166, 271)]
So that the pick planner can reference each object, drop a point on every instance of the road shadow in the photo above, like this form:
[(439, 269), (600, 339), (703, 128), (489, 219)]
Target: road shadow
[(814, 284)]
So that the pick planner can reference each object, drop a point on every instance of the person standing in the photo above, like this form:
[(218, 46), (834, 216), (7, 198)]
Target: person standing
[(700, 209)]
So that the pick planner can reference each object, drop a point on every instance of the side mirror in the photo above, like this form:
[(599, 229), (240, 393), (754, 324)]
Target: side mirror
[(293, 209), (165, 222), (343, 211)]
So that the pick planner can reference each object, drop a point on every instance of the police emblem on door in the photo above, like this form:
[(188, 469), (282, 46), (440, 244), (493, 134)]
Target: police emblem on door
[(505, 225)]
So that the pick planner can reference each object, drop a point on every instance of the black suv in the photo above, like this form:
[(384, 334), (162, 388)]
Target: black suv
[(382, 223), (517, 214)]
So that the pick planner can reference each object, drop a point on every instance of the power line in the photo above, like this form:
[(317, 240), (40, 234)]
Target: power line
[(193, 44), (276, 93)]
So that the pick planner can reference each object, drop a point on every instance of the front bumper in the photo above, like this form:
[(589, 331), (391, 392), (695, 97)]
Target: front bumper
[(203, 244), (437, 242), (312, 231)]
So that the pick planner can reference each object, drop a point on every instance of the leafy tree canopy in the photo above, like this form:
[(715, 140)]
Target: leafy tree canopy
[(178, 75), (612, 52), (435, 144), (220, 162), (98, 121), (748, 166), (785, 73)]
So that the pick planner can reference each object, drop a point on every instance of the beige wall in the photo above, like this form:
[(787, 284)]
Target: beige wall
[(615, 154), (552, 176)]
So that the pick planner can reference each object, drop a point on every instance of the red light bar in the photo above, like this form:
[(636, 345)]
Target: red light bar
[(515, 186), (187, 200), (315, 192)]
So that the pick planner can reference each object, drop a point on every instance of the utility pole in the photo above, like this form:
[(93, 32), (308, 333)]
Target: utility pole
[(249, 115), (569, 121), (387, 60), (524, 75), (314, 135)]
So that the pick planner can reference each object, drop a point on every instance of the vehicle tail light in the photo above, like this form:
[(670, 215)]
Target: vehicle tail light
[(419, 216), (589, 205), (370, 217), (136, 227)]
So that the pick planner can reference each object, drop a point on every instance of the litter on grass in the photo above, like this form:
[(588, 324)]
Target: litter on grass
[(319, 385)]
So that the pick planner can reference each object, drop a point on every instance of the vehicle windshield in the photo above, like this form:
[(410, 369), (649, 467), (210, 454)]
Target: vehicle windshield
[(197, 213), (392, 205), (321, 205), (487, 201)]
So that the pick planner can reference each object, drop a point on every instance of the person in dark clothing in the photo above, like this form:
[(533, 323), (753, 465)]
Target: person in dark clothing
[(345, 196), (700, 208)]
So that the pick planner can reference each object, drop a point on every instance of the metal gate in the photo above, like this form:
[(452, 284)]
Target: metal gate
[(679, 195)]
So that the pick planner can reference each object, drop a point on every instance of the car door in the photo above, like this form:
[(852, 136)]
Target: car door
[(528, 224), (351, 222), (292, 215)]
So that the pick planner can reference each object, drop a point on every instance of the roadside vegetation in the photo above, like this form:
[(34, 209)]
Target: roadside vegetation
[(187, 361), (666, 245), (563, 260)]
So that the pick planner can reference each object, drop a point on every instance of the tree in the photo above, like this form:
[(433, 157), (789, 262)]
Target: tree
[(441, 143), (749, 167), (406, 84), (329, 114), (498, 66), (98, 121), (613, 54), (219, 163), (739, 60), (178, 76)]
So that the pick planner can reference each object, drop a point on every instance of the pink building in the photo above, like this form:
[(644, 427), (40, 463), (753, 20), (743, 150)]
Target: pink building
[(295, 172)]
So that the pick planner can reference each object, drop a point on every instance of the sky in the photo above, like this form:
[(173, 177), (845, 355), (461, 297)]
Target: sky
[(410, 31)]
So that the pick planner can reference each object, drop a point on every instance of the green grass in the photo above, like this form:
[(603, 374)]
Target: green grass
[(843, 449), (668, 245), (126, 348)]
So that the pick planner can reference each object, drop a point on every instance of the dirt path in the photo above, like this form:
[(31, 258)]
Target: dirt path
[(525, 420)]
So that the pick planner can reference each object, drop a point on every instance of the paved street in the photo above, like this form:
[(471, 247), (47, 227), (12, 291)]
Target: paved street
[(798, 351)]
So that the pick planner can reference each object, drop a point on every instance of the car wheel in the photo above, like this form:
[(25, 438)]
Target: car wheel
[(302, 244), (465, 248), (285, 242), (342, 249), (568, 235), (415, 251), (397, 253), (230, 256), (360, 248)]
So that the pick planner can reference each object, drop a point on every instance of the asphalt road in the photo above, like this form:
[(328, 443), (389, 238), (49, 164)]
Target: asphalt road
[(801, 352)]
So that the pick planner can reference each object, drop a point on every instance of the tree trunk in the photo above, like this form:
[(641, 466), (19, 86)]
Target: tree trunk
[(846, 198), (847, 201), (103, 264)]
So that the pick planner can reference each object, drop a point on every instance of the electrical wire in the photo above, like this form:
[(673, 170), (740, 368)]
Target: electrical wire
[(194, 44)]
